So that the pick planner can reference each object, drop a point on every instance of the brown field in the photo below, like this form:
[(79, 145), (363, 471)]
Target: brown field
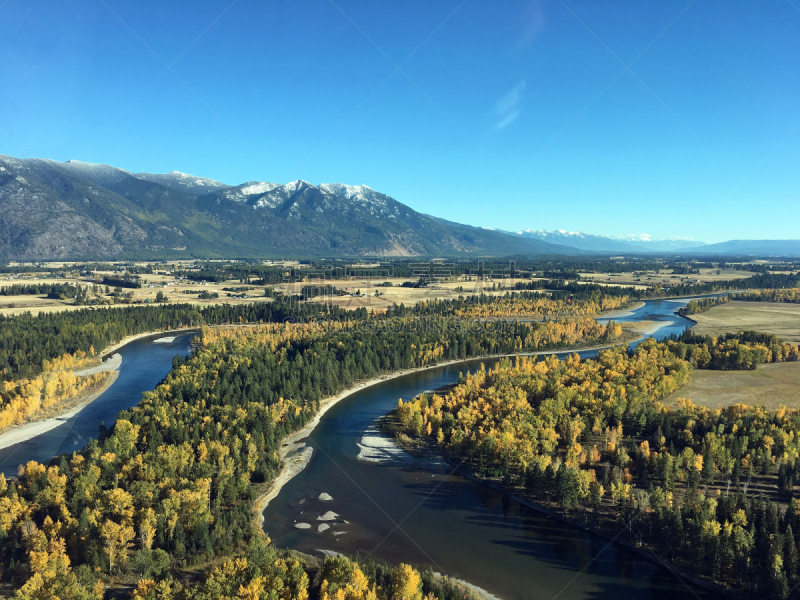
[(782, 319), (15, 305), (396, 294), (772, 386), (665, 276)]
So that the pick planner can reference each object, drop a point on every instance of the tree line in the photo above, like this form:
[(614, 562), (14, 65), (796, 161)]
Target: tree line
[(26, 341), (791, 295), (701, 305), (523, 304), (57, 291), (593, 435), (744, 350)]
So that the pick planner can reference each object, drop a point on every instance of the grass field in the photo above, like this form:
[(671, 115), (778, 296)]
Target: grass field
[(772, 386), (782, 319)]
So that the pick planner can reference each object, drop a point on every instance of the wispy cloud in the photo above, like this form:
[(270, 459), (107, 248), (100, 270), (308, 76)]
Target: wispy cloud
[(505, 109), (533, 23)]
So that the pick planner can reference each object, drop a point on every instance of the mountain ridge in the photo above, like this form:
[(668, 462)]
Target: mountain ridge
[(61, 210), (72, 209)]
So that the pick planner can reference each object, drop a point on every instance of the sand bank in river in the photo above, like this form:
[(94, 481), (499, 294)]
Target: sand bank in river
[(296, 455), (112, 364), (24, 432), (617, 314)]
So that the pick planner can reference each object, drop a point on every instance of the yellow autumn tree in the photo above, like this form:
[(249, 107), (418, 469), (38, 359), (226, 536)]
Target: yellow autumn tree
[(116, 542), (406, 583)]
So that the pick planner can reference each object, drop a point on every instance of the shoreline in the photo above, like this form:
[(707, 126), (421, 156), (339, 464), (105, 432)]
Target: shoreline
[(31, 429), (126, 340), (113, 363), (296, 455), (643, 552), (109, 362), (622, 312), (428, 449)]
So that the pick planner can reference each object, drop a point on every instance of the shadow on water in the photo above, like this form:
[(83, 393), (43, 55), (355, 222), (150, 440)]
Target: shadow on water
[(144, 365), (408, 510)]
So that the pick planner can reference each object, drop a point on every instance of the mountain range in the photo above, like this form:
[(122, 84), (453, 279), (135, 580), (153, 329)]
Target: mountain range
[(598, 243), (74, 210)]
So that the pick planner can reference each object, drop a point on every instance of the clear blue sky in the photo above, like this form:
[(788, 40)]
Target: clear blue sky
[(503, 114)]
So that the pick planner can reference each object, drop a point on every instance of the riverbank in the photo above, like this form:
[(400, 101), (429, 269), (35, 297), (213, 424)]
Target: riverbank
[(23, 433), (296, 455), (615, 538), (622, 312), (605, 527), (610, 314), (126, 340), (59, 414), (112, 364)]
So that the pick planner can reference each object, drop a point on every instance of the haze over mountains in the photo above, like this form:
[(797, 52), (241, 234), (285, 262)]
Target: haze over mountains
[(71, 210)]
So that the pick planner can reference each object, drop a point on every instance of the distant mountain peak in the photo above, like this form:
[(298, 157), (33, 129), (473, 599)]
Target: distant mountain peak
[(76, 209), (251, 188), (298, 184), (550, 232), (362, 194)]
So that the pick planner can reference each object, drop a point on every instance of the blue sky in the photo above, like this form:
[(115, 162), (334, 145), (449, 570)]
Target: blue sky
[(501, 114)]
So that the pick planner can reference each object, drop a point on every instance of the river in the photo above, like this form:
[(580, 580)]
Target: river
[(406, 509), (402, 508), (144, 365)]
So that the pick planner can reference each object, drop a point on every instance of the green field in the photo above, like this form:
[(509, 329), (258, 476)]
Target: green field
[(772, 386)]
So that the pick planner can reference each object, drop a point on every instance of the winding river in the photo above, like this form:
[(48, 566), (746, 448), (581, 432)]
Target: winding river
[(399, 508), (144, 365), (404, 509)]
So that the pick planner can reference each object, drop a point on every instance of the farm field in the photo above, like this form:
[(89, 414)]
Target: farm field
[(782, 319), (650, 278)]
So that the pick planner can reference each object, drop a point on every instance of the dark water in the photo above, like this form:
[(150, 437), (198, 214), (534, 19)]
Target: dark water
[(144, 365), (404, 509)]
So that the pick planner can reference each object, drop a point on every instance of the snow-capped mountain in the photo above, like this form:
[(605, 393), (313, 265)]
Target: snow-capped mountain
[(184, 182), (80, 210), (577, 239), (75, 210), (100, 174), (597, 243), (646, 242), (321, 199)]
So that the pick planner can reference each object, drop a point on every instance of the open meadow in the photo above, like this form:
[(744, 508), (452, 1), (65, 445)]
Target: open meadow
[(771, 386), (780, 318)]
